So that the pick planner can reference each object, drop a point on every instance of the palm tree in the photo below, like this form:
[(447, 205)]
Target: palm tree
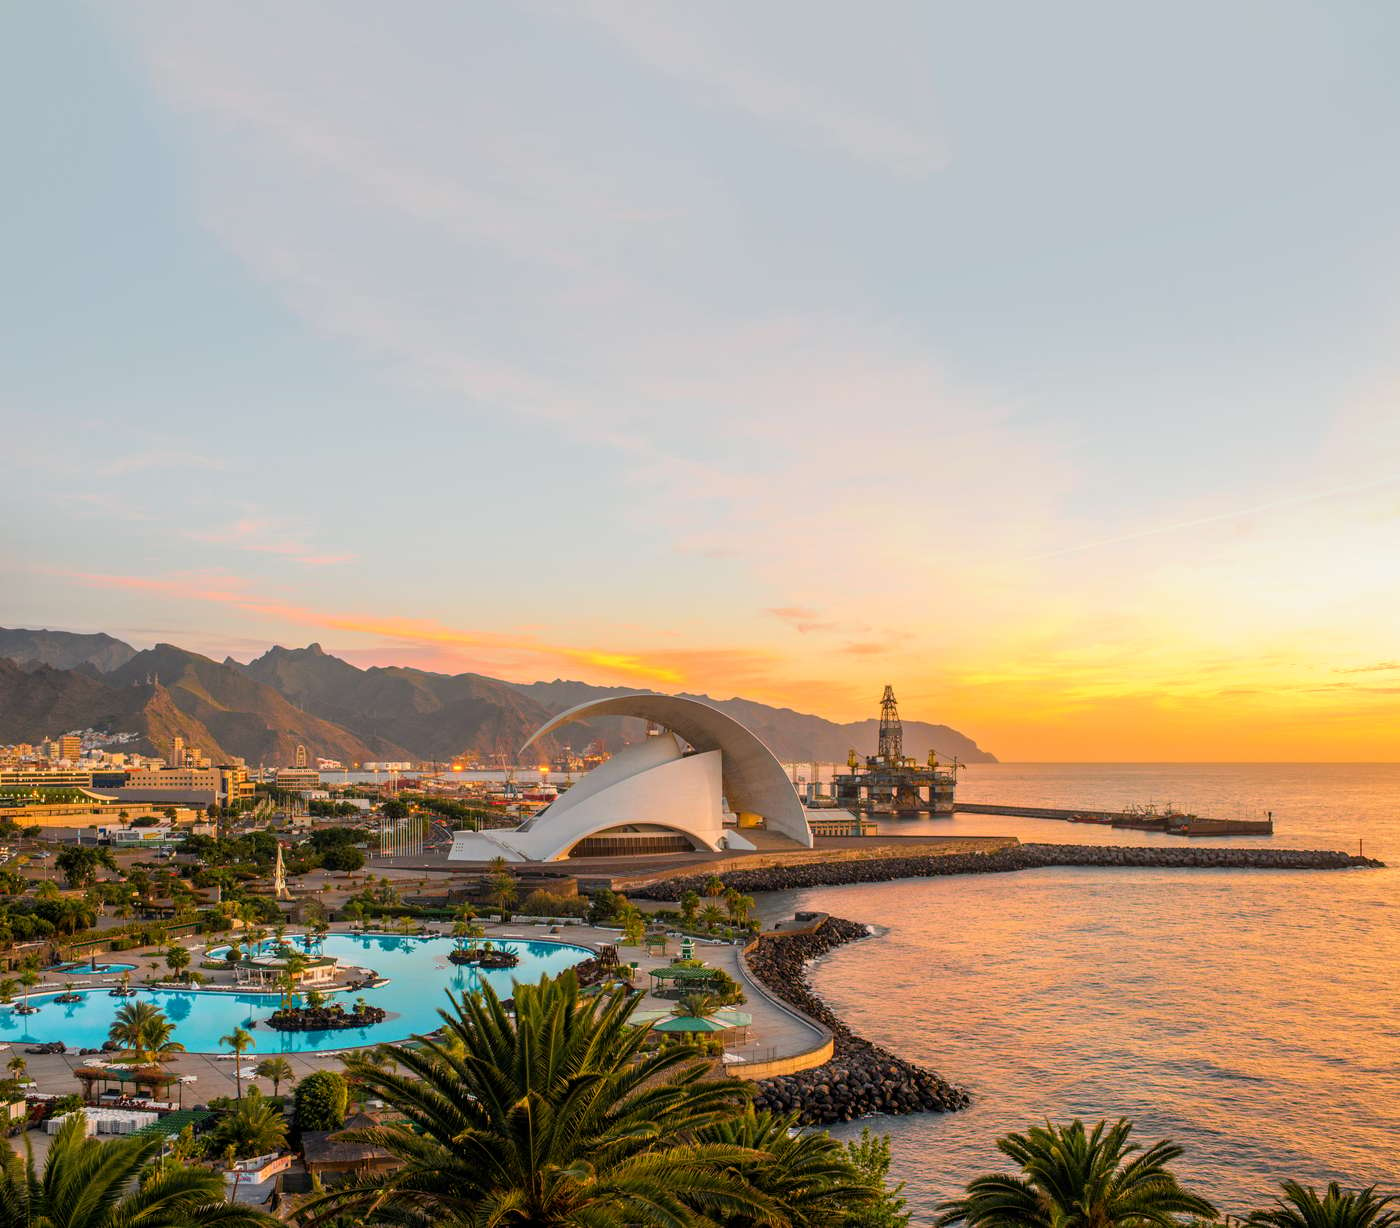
[(109, 1183), (809, 1177), (557, 1116), (503, 890), (28, 977), (143, 1028), (714, 886), (1301, 1207), (240, 1040), (276, 1069), (740, 906), (710, 916), (1074, 1177), (695, 1004), (690, 902), (253, 1127), (178, 959)]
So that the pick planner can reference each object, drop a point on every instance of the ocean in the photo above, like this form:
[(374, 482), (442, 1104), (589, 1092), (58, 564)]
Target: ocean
[(1251, 1016)]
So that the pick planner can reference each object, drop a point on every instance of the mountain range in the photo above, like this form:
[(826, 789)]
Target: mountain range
[(55, 681)]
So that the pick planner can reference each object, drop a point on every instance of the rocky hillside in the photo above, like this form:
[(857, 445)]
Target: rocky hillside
[(304, 696), (247, 717), (436, 715), (64, 649), (42, 701)]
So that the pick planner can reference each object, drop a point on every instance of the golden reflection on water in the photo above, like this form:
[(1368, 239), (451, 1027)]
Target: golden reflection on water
[(1252, 1016)]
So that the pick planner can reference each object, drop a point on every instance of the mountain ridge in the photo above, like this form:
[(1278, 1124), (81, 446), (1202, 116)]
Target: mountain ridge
[(286, 697)]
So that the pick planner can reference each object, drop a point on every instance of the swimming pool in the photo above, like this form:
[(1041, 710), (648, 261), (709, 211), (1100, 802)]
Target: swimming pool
[(87, 969), (419, 975)]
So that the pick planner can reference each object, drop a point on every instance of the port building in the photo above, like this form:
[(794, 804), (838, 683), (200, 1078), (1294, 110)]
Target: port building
[(700, 781)]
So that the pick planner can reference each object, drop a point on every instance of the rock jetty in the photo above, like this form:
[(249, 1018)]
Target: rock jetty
[(861, 1077), (1015, 857)]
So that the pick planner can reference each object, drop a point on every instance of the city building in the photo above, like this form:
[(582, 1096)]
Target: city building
[(177, 752), (44, 778), (298, 780), (301, 756), (70, 747), (186, 778), (703, 781), (234, 783)]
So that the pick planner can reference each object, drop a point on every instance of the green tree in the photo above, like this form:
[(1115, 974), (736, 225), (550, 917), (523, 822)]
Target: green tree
[(142, 1028), (78, 864), (343, 857), (556, 1116), (602, 906), (114, 1183), (177, 959), (710, 916), (240, 1041), (29, 975), (1074, 1178), (321, 1101), (870, 1153), (740, 906), (277, 1070), (808, 1179), (690, 903), (252, 1126), (503, 890), (395, 809), (1302, 1207)]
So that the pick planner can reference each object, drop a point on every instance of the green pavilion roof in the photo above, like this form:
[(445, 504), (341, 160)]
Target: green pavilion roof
[(690, 1023)]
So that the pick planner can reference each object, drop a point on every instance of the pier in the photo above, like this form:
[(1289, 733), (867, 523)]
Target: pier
[(1170, 822)]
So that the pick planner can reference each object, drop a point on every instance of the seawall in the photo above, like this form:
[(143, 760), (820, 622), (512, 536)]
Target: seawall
[(861, 1078), (1004, 860)]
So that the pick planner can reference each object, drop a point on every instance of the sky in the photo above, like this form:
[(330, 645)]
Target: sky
[(1039, 360)]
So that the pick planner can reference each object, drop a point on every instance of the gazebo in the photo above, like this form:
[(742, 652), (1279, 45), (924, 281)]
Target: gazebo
[(685, 977), (156, 1080), (689, 1024)]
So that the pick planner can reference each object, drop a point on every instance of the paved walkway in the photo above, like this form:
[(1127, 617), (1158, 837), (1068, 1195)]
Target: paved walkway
[(775, 1032)]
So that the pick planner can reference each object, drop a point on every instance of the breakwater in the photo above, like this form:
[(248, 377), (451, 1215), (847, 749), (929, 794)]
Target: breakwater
[(1006, 860), (861, 1078), (1143, 820)]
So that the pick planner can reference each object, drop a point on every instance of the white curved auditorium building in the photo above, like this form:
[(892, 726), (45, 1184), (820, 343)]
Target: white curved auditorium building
[(664, 794)]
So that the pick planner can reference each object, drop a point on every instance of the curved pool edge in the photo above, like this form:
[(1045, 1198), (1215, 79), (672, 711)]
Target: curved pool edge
[(411, 941)]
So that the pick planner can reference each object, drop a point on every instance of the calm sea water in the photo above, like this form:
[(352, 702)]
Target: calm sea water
[(1252, 1016)]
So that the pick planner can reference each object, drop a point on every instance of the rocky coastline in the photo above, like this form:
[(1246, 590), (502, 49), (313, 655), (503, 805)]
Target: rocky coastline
[(1016, 857), (861, 1078)]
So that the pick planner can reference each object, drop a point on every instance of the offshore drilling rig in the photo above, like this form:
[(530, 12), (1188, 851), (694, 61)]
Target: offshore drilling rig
[(888, 783)]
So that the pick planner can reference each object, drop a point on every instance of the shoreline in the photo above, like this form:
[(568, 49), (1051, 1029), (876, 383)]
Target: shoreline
[(861, 1078)]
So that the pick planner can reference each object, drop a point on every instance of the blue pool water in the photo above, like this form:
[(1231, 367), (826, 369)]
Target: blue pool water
[(89, 970), (419, 977)]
